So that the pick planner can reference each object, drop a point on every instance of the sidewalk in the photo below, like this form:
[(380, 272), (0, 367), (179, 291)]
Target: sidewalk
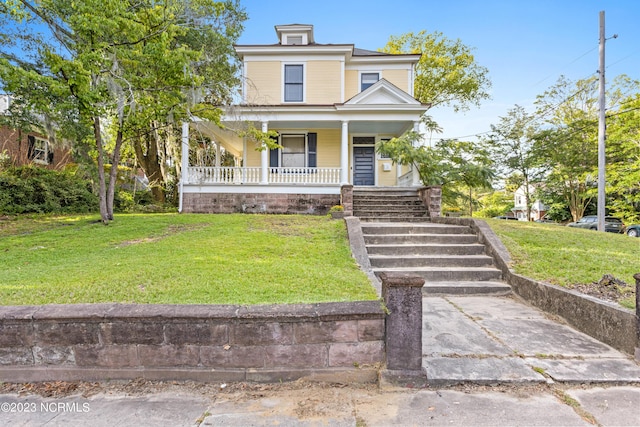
[(490, 361), (314, 405)]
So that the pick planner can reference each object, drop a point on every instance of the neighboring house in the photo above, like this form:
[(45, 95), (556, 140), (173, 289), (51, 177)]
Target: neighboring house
[(538, 209), (24, 148), (329, 103)]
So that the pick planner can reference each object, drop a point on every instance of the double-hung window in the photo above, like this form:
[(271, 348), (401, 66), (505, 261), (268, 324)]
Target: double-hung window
[(298, 151), (368, 79), (293, 83)]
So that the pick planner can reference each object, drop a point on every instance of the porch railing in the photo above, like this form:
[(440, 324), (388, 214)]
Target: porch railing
[(406, 180), (252, 175)]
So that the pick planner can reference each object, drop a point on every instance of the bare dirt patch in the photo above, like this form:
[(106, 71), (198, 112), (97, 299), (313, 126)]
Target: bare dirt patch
[(608, 288), (170, 231)]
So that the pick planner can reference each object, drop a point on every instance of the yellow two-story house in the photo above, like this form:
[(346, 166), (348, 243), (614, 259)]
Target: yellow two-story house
[(328, 103)]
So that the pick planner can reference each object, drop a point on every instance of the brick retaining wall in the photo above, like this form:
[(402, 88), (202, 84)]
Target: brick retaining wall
[(275, 203), (339, 341)]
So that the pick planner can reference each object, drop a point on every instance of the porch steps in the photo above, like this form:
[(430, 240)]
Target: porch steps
[(388, 205), (448, 257)]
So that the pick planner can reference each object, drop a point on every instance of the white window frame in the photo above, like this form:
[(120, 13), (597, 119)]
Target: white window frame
[(292, 38), (40, 151), (304, 81), (361, 75), (380, 138), (305, 139)]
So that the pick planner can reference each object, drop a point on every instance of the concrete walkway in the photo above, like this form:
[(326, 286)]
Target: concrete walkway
[(491, 340)]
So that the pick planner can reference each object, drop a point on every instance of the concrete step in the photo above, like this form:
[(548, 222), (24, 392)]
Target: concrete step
[(447, 274), (466, 288), (419, 261), (390, 213), (396, 219), (389, 207), (387, 239), (425, 249), (424, 228)]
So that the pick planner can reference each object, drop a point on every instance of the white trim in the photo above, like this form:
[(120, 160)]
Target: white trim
[(45, 150), (361, 72), (375, 66), (342, 80), (262, 189), (293, 58)]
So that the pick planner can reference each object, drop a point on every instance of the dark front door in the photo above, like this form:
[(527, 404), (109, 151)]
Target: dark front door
[(363, 166)]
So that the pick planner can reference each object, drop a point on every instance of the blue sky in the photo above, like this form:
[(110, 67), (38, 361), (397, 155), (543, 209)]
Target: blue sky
[(526, 45)]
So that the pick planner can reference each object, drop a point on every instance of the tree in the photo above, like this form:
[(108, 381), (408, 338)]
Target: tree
[(512, 144), (623, 160), (100, 64), (447, 73), (458, 166), (568, 146)]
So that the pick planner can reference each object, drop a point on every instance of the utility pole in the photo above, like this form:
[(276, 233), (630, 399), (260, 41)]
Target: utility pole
[(601, 133)]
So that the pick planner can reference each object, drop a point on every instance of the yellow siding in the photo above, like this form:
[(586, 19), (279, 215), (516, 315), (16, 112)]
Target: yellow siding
[(399, 78), (329, 148), (263, 82), (323, 82), (386, 178), (253, 155), (351, 84)]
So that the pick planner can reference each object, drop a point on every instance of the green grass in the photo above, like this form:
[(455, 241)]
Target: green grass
[(568, 256), (178, 259)]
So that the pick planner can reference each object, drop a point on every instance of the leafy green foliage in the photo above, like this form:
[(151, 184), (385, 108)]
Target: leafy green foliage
[(214, 259), (32, 189), (447, 73), (623, 161), (459, 167), (494, 204), (134, 66)]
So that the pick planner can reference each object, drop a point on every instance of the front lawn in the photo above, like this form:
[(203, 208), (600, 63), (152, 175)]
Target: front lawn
[(571, 257), (178, 259)]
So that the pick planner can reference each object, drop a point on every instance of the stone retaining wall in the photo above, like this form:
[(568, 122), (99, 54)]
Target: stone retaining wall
[(604, 321), (318, 204), (330, 341)]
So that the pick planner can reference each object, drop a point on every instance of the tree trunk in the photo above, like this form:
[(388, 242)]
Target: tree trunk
[(150, 164), (470, 202), (104, 214), (113, 175)]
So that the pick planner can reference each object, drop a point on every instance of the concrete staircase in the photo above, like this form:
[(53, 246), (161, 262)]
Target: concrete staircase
[(448, 257), (388, 205)]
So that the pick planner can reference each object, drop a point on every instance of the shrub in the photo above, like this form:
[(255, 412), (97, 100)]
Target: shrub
[(32, 189)]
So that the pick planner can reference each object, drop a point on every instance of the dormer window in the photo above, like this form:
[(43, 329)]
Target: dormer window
[(294, 40), (295, 34)]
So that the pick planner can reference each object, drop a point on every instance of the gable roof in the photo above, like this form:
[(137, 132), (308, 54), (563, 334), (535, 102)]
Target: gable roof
[(382, 93)]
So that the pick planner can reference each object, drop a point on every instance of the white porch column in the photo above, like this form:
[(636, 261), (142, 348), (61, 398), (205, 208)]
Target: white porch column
[(344, 154), (217, 154), (416, 175), (264, 160), (184, 162)]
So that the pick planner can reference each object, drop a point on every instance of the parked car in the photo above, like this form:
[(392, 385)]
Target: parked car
[(590, 222), (632, 230)]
